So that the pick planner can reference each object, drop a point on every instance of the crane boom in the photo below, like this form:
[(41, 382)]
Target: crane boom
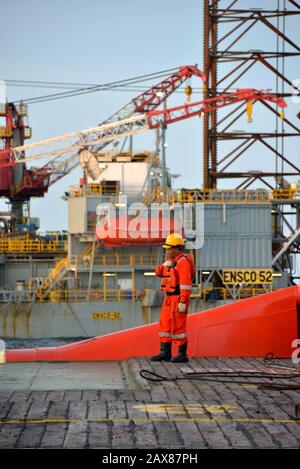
[(175, 114), (64, 151), (63, 148)]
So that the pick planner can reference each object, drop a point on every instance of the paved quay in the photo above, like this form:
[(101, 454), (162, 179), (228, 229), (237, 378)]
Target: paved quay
[(109, 405)]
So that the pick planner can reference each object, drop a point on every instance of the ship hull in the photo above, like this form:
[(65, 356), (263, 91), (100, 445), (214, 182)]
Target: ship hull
[(77, 320)]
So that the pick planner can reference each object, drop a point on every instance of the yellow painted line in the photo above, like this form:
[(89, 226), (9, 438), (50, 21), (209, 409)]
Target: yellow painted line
[(151, 419), (221, 385), (183, 408)]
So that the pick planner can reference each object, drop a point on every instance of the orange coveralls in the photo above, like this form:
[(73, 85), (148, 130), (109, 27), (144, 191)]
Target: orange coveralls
[(172, 324)]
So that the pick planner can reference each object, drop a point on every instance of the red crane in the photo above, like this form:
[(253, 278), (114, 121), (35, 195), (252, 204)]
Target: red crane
[(36, 182), (65, 152)]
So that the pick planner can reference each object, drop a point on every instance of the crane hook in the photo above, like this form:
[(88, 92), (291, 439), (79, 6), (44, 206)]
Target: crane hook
[(249, 111), (188, 92)]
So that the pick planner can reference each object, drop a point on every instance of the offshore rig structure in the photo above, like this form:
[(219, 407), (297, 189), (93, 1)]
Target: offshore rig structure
[(75, 284)]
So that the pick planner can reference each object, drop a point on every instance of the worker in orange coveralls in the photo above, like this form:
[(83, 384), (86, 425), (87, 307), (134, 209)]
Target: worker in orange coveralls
[(176, 275)]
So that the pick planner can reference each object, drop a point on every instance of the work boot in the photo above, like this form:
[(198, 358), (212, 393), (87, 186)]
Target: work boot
[(165, 353), (182, 356)]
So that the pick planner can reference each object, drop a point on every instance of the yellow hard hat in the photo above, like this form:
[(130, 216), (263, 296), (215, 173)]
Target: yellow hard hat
[(173, 240)]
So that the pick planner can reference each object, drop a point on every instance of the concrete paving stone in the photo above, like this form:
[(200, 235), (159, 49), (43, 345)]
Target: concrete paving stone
[(190, 434), (78, 427), (116, 409), (122, 435), (90, 395), (207, 392), (31, 436), (38, 410), (4, 408), (292, 396), (139, 362), (75, 440), (212, 434), (240, 392), (125, 395), (55, 395), (295, 429), (279, 411), (9, 435), (158, 394), (159, 368), (288, 408), (203, 410), (246, 434), (261, 435), (99, 435), (58, 410), (169, 368), (53, 438), (134, 365), (282, 434), (224, 393), (38, 395), (77, 435), (18, 396), (136, 410), (154, 410), (167, 435), (5, 395), (97, 410), (142, 395), (59, 427), (190, 392), (129, 410), (258, 409), (108, 395), (144, 434), (175, 394), (77, 410), (75, 395), (19, 410)]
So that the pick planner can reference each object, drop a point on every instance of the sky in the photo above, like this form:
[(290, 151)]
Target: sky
[(96, 41)]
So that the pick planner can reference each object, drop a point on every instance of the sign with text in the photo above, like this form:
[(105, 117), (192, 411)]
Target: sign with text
[(247, 276), (107, 315)]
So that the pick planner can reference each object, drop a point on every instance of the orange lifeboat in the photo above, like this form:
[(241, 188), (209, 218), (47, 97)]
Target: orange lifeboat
[(123, 231)]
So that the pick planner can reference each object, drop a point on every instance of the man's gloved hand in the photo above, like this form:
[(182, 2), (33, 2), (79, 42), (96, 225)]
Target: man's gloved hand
[(181, 307), (168, 263)]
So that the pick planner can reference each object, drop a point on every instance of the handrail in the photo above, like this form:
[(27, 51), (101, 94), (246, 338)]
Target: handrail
[(105, 296), (161, 195), (226, 294), (165, 194), (29, 245), (114, 260), (60, 295), (285, 194)]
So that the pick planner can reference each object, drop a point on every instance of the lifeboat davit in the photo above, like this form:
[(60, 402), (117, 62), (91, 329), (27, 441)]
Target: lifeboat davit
[(126, 231)]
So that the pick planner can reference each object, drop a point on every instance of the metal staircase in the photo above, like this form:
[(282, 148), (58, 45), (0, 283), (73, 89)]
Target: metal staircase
[(290, 240), (55, 275)]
